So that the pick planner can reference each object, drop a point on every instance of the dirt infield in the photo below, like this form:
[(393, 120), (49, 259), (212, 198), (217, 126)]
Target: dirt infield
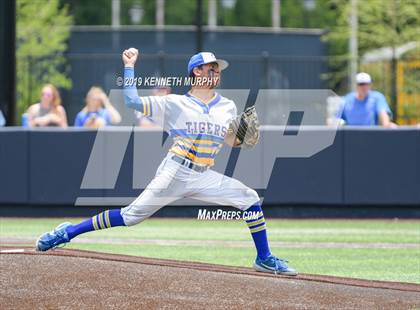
[(71, 279)]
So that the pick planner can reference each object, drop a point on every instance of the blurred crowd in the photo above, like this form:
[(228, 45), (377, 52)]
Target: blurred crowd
[(97, 112), (363, 107)]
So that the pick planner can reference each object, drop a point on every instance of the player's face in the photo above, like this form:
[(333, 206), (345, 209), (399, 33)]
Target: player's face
[(212, 72)]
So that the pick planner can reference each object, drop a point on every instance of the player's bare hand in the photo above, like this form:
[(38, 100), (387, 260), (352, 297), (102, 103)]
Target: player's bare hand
[(130, 56)]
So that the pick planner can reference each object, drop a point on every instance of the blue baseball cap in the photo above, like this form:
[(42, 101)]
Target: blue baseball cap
[(205, 58)]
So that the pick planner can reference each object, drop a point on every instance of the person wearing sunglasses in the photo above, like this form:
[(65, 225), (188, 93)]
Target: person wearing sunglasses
[(49, 111)]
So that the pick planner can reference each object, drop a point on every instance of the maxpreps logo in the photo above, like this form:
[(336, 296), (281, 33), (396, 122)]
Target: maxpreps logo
[(219, 214)]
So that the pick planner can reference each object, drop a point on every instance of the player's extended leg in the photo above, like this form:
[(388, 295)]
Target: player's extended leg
[(157, 194), (217, 188), (64, 232)]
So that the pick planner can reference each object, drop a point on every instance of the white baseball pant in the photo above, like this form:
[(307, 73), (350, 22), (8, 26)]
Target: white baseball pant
[(174, 181)]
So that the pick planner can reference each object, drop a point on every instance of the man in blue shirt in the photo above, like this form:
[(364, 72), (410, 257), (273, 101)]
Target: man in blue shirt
[(365, 107)]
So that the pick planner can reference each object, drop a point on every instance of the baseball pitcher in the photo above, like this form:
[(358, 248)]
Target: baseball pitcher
[(200, 123)]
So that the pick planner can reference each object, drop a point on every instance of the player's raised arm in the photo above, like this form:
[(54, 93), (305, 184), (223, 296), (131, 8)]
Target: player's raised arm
[(132, 99), (150, 106)]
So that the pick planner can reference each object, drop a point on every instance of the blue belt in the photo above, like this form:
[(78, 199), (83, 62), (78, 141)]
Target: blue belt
[(188, 163)]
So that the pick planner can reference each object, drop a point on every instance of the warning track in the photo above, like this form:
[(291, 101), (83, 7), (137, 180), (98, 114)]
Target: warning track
[(82, 279)]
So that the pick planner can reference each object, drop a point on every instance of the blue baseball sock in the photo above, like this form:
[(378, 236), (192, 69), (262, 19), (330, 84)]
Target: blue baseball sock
[(258, 231), (106, 219)]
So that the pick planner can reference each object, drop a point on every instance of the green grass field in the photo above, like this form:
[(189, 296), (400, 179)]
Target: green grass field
[(371, 249)]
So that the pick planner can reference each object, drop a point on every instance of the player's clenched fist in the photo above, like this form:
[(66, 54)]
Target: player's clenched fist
[(129, 57)]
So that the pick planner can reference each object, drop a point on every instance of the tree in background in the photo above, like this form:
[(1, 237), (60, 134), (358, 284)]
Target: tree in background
[(390, 23), (294, 13), (248, 13), (89, 12), (257, 13), (98, 12), (41, 38)]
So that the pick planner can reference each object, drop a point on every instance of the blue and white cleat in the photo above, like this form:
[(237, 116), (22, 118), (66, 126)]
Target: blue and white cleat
[(274, 265), (51, 240)]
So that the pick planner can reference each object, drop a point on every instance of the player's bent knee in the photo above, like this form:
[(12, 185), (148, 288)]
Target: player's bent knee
[(253, 195), (251, 198), (133, 215), (131, 221)]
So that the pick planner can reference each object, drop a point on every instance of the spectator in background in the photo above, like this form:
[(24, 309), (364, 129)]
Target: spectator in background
[(49, 111), (2, 119), (146, 122), (365, 107), (98, 111)]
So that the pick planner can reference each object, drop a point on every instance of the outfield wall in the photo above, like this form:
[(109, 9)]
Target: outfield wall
[(362, 167)]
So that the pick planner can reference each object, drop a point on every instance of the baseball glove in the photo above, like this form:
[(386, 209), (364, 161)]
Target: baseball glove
[(246, 127)]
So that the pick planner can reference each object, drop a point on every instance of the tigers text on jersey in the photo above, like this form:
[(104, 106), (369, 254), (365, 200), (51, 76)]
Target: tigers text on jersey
[(198, 129)]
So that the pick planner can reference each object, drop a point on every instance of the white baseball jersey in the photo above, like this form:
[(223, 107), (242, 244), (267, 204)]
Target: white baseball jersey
[(198, 130)]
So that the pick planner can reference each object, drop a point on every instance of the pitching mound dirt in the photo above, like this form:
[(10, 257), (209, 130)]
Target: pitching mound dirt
[(79, 279)]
